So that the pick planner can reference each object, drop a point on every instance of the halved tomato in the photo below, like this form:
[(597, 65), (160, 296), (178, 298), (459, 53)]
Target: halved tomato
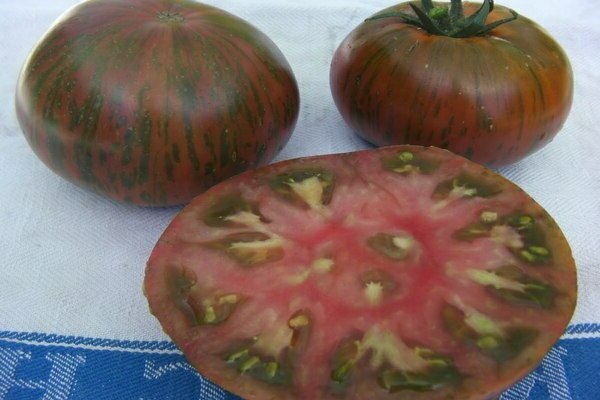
[(398, 273)]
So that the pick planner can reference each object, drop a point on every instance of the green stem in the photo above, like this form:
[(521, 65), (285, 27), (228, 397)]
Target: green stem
[(456, 10), (427, 5), (449, 21)]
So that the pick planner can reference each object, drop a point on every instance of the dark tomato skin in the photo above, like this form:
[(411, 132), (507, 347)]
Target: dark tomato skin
[(151, 102), (494, 98)]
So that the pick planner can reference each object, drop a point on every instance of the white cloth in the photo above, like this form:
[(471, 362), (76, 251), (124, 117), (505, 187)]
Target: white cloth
[(72, 262)]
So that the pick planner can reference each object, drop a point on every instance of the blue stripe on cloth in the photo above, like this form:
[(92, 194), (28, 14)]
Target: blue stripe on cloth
[(79, 340), (583, 328), (38, 366)]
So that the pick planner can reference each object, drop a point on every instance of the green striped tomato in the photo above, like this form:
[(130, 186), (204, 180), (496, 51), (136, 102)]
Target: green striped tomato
[(494, 97), (151, 102)]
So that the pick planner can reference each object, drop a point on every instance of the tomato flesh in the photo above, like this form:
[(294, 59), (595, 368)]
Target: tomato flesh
[(403, 272)]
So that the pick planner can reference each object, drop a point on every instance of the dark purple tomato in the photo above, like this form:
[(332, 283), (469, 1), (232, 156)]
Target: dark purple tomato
[(153, 101), (493, 92)]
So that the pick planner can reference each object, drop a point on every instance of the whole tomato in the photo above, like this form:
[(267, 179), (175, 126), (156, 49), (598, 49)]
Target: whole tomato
[(153, 101), (492, 86)]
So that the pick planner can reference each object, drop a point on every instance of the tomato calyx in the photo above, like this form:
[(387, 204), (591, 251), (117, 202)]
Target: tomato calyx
[(449, 21)]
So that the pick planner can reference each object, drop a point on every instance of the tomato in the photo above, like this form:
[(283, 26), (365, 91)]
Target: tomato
[(394, 273), (150, 102), (493, 95)]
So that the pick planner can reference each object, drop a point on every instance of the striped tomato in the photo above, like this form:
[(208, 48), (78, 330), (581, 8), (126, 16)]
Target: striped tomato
[(153, 101), (493, 86)]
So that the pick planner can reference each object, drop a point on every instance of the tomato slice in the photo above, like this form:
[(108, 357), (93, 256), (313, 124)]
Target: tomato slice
[(395, 273)]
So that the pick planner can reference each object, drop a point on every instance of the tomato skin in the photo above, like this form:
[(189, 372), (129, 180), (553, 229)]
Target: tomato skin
[(494, 99), (151, 102)]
